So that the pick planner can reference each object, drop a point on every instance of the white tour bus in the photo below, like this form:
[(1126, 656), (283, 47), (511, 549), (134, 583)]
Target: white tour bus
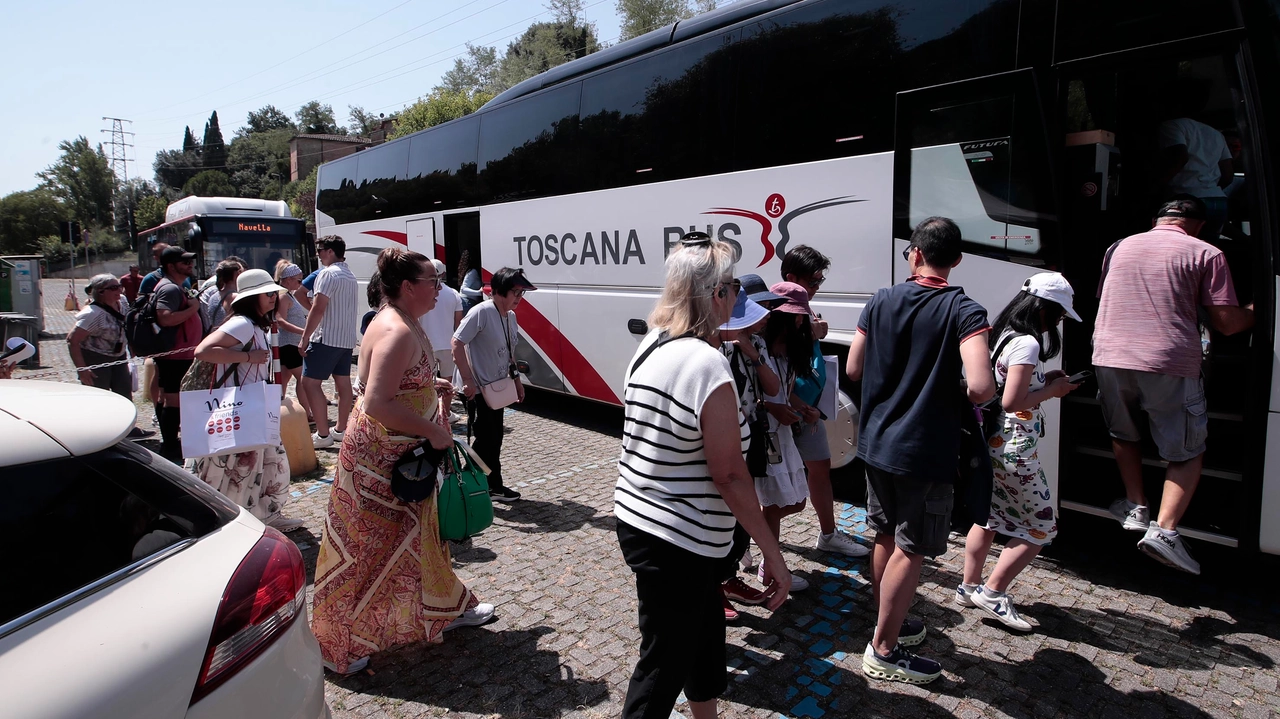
[(840, 124)]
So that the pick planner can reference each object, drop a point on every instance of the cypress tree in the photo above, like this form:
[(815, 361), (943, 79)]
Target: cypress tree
[(214, 149), (189, 141)]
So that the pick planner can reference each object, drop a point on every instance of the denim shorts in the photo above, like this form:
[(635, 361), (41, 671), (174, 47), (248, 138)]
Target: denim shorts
[(1174, 406), (323, 360)]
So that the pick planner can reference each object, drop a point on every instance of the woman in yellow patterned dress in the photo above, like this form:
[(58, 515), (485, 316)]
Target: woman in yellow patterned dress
[(384, 576)]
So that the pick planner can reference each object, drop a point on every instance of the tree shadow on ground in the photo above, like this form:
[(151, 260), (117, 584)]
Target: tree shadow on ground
[(464, 675), (532, 516), (466, 552)]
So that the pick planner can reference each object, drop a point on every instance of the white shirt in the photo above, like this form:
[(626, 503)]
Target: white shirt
[(1022, 349), (1206, 147), (664, 487), (438, 323), (341, 321), (239, 327)]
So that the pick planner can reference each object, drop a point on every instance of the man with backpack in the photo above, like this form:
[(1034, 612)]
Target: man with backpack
[(178, 317), (913, 340)]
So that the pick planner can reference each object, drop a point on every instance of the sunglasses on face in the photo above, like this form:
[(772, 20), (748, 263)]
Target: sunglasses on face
[(722, 289), (906, 253), (110, 287), (432, 280)]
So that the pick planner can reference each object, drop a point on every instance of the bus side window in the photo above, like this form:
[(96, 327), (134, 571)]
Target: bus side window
[(379, 187), (978, 152), (442, 167), (528, 149), (336, 193)]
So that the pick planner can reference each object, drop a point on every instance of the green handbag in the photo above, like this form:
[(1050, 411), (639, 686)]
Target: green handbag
[(464, 503)]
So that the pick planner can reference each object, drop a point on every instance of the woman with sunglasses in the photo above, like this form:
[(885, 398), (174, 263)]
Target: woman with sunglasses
[(484, 352), (682, 485), (98, 337)]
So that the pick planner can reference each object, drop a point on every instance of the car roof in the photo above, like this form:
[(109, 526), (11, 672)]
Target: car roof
[(46, 420)]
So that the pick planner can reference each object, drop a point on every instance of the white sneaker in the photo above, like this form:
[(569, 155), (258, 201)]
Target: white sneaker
[(1000, 609), (1133, 517), (798, 584), (472, 617), (336, 435), (321, 442), (455, 418), (840, 543), (283, 523), (964, 594), (1168, 550)]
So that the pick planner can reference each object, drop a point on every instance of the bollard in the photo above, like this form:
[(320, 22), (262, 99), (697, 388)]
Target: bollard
[(295, 435)]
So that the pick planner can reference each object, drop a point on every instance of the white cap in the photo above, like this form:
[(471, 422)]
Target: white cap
[(439, 266), (1052, 286)]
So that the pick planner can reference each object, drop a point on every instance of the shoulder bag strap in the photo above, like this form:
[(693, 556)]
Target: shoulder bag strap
[(662, 340)]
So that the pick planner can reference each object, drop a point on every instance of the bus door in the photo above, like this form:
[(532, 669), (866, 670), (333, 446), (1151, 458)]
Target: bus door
[(420, 236), (977, 152), (1122, 115)]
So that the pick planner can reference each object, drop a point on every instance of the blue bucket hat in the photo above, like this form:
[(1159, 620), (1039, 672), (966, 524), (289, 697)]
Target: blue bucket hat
[(745, 313), (758, 292)]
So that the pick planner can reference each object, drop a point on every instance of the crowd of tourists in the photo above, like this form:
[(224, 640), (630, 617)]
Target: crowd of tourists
[(724, 436)]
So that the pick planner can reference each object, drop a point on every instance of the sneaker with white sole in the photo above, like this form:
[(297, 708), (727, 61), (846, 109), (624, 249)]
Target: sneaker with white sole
[(798, 584), (743, 593), (1133, 517), (840, 543), (1000, 608), (337, 436), (474, 617), (912, 632), (321, 442), (900, 666), (964, 594), (352, 668), (1168, 550)]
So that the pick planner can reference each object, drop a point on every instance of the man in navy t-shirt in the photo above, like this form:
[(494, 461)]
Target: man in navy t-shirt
[(913, 340)]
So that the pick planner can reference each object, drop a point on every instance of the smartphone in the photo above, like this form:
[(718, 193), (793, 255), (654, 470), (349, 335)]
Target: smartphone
[(1079, 377)]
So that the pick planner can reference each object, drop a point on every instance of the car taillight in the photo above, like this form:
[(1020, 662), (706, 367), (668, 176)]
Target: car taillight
[(267, 592)]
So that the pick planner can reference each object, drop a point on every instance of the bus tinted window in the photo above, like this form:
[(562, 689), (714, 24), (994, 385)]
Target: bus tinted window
[(667, 116), (377, 174), (336, 191), (528, 149), (871, 50), (1093, 27), (442, 167)]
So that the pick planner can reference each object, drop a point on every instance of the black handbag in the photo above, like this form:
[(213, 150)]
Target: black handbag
[(415, 474)]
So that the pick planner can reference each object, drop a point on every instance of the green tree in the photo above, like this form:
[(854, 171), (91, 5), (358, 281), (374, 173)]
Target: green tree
[(301, 196), (473, 73), (173, 168), (27, 216), (255, 157), (266, 119), (213, 154), (641, 16), (149, 212), (702, 6), (209, 183), (317, 119), (543, 46), (363, 123), (82, 179), (189, 143), (438, 107)]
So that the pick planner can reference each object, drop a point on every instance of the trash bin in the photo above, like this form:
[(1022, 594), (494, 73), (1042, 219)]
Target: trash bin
[(16, 324)]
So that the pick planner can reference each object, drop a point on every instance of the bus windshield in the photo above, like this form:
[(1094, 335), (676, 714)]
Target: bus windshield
[(261, 243)]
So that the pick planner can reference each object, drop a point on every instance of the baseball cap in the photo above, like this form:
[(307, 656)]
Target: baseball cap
[(745, 313), (758, 292), (440, 268), (174, 254), (795, 298), (1052, 286)]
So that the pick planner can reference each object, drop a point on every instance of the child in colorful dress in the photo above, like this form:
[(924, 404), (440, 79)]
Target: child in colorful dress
[(1021, 506)]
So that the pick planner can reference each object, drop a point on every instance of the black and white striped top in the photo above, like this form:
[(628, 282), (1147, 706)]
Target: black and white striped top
[(663, 486)]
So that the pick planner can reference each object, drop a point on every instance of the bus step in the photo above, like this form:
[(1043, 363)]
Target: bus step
[(1202, 535), (1154, 462)]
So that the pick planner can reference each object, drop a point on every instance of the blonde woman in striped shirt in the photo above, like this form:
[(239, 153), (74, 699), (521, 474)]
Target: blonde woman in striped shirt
[(682, 484)]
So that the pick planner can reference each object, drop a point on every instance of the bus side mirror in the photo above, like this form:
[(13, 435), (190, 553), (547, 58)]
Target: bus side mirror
[(194, 235)]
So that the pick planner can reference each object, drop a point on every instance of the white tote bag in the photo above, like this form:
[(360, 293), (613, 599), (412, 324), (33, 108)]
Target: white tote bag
[(230, 419)]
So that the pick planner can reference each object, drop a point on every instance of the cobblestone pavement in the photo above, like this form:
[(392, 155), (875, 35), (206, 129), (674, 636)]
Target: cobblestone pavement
[(1117, 635)]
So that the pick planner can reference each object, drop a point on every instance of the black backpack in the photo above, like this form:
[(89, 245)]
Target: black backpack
[(143, 333)]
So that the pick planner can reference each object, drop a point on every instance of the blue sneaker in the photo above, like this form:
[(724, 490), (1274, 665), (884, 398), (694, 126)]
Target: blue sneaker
[(912, 632), (900, 666)]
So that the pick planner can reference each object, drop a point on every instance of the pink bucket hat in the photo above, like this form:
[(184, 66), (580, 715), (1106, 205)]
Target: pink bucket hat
[(796, 298)]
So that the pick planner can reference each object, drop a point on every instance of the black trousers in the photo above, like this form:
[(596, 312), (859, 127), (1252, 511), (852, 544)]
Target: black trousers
[(681, 625), (485, 425)]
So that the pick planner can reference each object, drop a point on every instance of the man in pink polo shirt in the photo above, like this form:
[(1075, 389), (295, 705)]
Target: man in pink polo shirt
[(1146, 348)]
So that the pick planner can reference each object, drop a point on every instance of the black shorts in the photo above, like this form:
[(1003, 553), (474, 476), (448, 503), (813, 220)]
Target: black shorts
[(916, 511), (682, 635), (169, 372), (290, 357)]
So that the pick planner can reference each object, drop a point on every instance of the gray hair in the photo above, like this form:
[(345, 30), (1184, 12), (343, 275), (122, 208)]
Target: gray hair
[(687, 304), (97, 282)]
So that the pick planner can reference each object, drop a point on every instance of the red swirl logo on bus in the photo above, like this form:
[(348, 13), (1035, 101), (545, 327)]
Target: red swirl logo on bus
[(774, 207)]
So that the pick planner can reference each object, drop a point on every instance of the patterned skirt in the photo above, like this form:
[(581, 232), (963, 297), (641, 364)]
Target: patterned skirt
[(256, 480), (1021, 505), (384, 577)]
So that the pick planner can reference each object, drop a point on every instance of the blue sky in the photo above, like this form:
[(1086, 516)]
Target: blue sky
[(166, 65)]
